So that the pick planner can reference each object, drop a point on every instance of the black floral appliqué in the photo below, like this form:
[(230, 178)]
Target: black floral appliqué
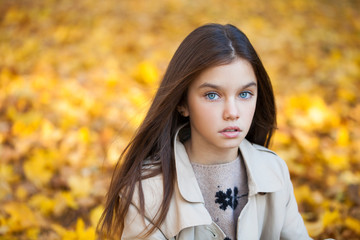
[(224, 199), (236, 192), (228, 199)]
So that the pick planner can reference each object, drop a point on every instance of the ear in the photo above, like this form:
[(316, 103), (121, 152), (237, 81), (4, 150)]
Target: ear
[(183, 110)]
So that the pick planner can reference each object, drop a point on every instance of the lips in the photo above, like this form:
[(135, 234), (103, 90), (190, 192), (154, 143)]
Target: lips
[(231, 132), (231, 129)]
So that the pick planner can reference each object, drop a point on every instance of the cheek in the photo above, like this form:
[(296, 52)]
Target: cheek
[(249, 112), (252, 109), (202, 111)]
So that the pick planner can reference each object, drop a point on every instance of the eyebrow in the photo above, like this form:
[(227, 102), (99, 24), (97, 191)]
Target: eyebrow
[(209, 85)]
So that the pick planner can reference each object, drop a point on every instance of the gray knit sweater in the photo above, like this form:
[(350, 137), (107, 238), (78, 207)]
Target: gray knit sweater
[(225, 190)]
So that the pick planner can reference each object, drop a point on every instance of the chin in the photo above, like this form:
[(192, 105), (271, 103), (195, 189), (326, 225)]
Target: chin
[(233, 144)]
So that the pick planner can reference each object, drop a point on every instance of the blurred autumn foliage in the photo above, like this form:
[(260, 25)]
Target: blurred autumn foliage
[(76, 78)]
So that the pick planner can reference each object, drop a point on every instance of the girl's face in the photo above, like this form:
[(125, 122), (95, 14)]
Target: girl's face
[(221, 104)]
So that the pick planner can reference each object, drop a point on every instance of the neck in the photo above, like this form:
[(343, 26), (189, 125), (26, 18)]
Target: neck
[(210, 156)]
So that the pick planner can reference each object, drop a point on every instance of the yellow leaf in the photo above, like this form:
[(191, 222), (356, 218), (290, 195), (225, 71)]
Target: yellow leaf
[(64, 200), (147, 73), (317, 114), (343, 139), (346, 94), (336, 55), (337, 161), (115, 149), (82, 233), (311, 61), (61, 33), (14, 15), (309, 112), (282, 138), (21, 216), (7, 173), (58, 229), (330, 217), (70, 201), (84, 135), (95, 215), (307, 140), (48, 132), (26, 124), (138, 98), (64, 233), (257, 22), (40, 167), (349, 177), (113, 79), (80, 186), (332, 179), (21, 193), (44, 204), (5, 190), (32, 233), (304, 194), (80, 225), (314, 228), (353, 224)]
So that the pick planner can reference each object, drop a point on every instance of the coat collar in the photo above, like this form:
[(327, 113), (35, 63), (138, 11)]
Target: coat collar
[(262, 165)]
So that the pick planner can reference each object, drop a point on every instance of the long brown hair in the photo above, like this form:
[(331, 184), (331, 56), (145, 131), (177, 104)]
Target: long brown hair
[(207, 46)]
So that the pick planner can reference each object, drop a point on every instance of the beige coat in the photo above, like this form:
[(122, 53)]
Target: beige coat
[(270, 213)]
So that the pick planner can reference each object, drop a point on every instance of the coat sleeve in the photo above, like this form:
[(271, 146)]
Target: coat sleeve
[(136, 226), (294, 227)]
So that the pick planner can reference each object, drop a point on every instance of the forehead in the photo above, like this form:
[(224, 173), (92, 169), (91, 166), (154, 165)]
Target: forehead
[(234, 74)]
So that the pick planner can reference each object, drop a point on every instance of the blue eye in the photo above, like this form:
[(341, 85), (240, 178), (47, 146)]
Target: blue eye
[(245, 95), (212, 96)]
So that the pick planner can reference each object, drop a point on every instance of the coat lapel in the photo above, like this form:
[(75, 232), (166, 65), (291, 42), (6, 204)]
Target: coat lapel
[(186, 179), (264, 175)]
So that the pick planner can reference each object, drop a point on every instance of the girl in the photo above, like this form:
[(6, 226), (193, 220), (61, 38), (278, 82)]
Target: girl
[(198, 166)]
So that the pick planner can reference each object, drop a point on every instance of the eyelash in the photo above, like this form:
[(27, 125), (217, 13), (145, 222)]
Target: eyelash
[(249, 95), (211, 93)]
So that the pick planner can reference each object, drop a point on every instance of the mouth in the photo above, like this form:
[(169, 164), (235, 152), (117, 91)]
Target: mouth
[(230, 129), (230, 132)]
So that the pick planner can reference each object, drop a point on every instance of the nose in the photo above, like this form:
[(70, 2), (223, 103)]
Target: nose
[(231, 111)]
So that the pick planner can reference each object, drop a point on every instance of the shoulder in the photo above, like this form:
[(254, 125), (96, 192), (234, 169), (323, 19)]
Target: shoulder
[(152, 188), (263, 155), (263, 149), (267, 172), (266, 154)]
